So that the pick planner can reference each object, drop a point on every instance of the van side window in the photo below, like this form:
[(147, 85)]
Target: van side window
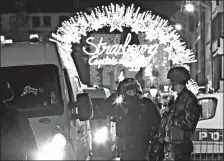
[(208, 107), (68, 84)]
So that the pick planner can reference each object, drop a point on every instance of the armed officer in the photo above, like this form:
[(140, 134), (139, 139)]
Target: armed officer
[(136, 117), (179, 123)]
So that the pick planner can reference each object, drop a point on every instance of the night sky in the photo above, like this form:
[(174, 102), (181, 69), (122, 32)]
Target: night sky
[(163, 8)]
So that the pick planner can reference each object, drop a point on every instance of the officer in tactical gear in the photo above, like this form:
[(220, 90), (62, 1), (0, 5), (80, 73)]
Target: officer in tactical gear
[(17, 139), (180, 121), (136, 117)]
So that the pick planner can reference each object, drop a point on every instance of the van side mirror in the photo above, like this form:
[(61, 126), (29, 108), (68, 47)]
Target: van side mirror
[(85, 107)]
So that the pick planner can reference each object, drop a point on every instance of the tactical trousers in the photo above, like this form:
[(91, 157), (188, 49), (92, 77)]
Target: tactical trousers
[(171, 156), (178, 152), (133, 152)]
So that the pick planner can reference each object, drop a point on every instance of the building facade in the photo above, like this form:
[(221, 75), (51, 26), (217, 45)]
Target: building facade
[(203, 31), (19, 26)]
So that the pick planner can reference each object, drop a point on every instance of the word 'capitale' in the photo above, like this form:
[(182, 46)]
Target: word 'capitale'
[(117, 49)]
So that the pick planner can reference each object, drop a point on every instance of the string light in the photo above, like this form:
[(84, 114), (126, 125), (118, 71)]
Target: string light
[(193, 86), (178, 26), (189, 7), (118, 16)]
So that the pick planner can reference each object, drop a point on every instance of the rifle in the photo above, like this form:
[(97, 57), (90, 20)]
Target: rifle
[(156, 148)]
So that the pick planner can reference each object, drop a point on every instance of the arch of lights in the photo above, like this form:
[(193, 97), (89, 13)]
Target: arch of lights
[(116, 17)]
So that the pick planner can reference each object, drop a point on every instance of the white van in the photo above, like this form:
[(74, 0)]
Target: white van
[(103, 129), (47, 89), (208, 138)]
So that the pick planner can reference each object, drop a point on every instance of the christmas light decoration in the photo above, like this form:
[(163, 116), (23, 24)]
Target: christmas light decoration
[(107, 69), (118, 16), (193, 86)]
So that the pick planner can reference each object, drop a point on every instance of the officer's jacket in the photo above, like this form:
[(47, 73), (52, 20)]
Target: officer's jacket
[(184, 114), (141, 118)]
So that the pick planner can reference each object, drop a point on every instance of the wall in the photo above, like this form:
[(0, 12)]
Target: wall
[(217, 42), (9, 20)]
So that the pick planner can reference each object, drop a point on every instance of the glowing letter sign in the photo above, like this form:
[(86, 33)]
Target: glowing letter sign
[(119, 54)]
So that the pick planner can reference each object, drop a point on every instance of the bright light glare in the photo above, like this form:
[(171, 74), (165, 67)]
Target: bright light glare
[(116, 16), (153, 91), (178, 26), (121, 77), (101, 135), (50, 152), (53, 150), (2, 38), (166, 88), (119, 100), (189, 7), (117, 158), (34, 36), (8, 41), (59, 140)]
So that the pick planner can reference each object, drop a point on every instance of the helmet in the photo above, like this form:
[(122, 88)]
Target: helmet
[(129, 84), (178, 75)]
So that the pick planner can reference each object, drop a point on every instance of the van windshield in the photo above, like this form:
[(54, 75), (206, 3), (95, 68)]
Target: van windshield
[(33, 85)]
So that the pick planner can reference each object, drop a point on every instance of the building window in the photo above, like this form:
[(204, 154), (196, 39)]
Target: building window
[(12, 19), (192, 23), (196, 65), (221, 24), (217, 60), (217, 24), (0, 24), (36, 21), (217, 2), (215, 28), (62, 19), (46, 21)]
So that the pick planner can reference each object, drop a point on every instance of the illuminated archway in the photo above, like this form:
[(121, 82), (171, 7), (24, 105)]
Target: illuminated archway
[(116, 17)]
